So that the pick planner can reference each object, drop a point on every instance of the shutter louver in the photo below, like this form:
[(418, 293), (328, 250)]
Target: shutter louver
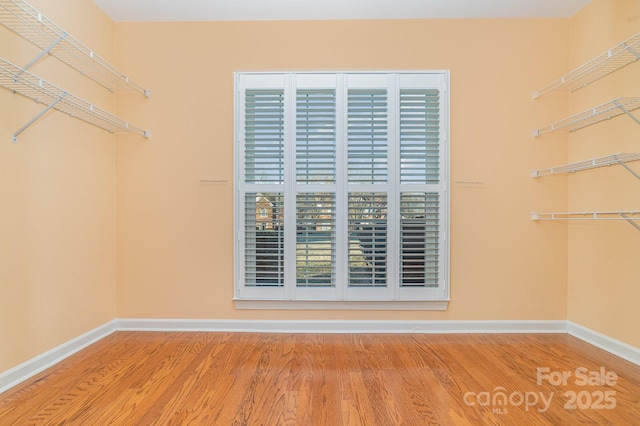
[(315, 239), (264, 136), (367, 240), (367, 136), (419, 136), (264, 239), (316, 136), (419, 239)]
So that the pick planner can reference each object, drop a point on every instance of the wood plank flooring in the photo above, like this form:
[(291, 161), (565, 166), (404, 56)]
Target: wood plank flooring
[(154, 378)]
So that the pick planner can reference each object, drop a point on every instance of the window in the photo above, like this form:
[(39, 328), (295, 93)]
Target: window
[(341, 187)]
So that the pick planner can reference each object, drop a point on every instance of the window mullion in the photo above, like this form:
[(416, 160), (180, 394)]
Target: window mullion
[(445, 187), (342, 228), (393, 193), (239, 207), (289, 187)]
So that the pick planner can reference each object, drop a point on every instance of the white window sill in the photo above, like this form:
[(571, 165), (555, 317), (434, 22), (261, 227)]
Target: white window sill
[(362, 305)]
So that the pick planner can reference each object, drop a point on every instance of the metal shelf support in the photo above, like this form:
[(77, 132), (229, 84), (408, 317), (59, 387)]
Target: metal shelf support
[(630, 220), (46, 51), (14, 137), (630, 170), (626, 111)]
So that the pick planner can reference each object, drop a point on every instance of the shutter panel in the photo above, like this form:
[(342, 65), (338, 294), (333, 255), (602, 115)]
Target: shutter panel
[(367, 135), (316, 136), (419, 239), (264, 239), (419, 136), (367, 240), (264, 136), (315, 239)]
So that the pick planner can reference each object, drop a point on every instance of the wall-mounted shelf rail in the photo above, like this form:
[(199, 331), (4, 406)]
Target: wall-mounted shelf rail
[(594, 163), (631, 216), (594, 115), (612, 60), (26, 21), (214, 180), (19, 81)]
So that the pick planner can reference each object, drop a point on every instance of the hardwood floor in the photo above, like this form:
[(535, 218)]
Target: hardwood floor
[(152, 378)]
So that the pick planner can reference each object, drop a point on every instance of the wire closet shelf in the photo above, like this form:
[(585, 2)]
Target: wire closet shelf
[(608, 160), (597, 114), (612, 60), (23, 19), (631, 216), (19, 81)]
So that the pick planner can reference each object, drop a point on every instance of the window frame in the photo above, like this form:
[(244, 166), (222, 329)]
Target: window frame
[(342, 296)]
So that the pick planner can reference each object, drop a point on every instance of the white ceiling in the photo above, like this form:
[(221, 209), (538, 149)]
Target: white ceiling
[(270, 10)]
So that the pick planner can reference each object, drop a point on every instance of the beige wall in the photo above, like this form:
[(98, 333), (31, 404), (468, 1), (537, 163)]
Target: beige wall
[(57, 191), (603, 262), (175, 236)]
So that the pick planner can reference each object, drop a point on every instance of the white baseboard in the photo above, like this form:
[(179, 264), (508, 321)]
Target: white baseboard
[(599, 340), (346, 326), (30, 368), (40, 363)]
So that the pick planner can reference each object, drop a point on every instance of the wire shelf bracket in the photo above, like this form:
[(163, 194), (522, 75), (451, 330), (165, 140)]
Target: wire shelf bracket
[(631, 216), (602, 65), (595, 115), (630, 220), (594, 163), (14, 137), (26, 21), (46, 51), (19, 81)]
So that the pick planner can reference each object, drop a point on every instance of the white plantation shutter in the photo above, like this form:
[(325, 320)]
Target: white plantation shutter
[(264, 136), (341, 187), (420, 152), (419, 136), (368, 239), (315, 239), (419, 239), (367, 135), (316, 136), (264, 239)]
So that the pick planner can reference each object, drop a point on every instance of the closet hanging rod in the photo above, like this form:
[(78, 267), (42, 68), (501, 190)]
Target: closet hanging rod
[(19, 81), (26, 21)]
